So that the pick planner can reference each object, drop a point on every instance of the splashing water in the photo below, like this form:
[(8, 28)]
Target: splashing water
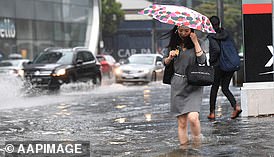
[(10, 87), (14, 95)]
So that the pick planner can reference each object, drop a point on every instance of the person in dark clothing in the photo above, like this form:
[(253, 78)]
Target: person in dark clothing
[(220, 77)]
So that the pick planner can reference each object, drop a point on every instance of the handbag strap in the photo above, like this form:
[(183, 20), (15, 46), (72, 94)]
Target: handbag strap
[(196, 61)]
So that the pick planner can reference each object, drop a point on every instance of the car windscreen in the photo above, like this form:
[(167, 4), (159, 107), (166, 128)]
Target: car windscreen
[(100, 58), (9, 63), (54, 58), (141, 60), (5, 64)]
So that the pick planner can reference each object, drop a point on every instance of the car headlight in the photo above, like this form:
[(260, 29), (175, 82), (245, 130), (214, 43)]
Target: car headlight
[(146, 71), (118, 71), (60, 72), (20, 72)]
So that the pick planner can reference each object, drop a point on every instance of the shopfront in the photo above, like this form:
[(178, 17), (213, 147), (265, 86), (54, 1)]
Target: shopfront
[(29, 26)]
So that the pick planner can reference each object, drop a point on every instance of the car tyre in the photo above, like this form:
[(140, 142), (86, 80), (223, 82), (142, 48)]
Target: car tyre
[(153, 77), (54, 88), (97, 80), (71, 79), (117, 81)]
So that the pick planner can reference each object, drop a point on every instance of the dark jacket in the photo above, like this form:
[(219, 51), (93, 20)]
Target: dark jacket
[(214, 46)]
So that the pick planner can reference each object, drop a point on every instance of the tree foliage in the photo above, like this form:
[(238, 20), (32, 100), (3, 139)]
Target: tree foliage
[(232, 18), (232, 14), (112, 15)]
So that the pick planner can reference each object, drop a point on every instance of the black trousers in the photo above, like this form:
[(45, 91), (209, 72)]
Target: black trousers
[(221, 78)]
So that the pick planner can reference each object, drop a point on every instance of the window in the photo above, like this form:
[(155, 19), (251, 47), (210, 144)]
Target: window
[(59, 31), (7, 8), (57, 12), (44, 30), (88, 56), (44, 10), (159, 59), (24, 9), (80, 56), (24, 29), (141, 60), (54, 57)]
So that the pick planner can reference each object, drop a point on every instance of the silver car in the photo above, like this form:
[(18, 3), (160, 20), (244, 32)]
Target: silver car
[(12, 67), (141, 68)]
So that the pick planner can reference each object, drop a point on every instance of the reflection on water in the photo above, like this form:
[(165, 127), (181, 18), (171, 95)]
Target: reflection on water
[(120, 120), (53, 132), (148, 117), (120, 106), (63, 111), (146, 96), (184, 152)]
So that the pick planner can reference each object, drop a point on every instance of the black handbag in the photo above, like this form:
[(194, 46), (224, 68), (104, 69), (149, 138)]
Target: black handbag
[(168, 73), (200, 75)]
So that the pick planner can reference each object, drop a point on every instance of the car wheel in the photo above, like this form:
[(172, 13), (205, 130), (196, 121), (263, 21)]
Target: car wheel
[(97, 80), (153, 77), (71, 79), (116, 81), (27, 87), (54, 88)]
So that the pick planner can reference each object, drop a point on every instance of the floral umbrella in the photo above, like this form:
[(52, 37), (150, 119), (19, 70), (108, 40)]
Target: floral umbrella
[(179, 15)]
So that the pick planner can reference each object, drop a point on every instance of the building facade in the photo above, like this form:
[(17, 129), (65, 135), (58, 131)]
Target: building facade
[(29, 26)]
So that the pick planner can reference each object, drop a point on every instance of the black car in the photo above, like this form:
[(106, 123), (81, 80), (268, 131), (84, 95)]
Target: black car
[(56, 66)]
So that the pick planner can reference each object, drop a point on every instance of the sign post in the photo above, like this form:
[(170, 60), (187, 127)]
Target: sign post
[(272, 36), (257, 93)]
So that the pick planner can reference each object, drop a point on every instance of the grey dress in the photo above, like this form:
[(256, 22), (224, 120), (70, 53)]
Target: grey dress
[(185, 98)]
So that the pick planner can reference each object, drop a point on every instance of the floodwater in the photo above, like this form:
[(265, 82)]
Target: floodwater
[(127, 120)]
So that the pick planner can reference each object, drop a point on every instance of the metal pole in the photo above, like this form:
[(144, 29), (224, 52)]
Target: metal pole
[(153, 45), (178, 2), (189, 3), (153, 34), (220, 10), (101, 41)]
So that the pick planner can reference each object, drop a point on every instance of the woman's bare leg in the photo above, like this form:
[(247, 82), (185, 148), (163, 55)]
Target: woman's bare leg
[(193, 118), (182, 129)]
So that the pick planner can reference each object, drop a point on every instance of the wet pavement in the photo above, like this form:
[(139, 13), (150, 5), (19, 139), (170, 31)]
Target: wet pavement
[(130, 120)]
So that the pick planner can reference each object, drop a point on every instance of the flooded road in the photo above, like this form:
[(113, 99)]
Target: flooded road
[(127, 120)]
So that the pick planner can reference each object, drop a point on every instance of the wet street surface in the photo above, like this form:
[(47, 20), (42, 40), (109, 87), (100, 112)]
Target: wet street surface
[(128, 120)]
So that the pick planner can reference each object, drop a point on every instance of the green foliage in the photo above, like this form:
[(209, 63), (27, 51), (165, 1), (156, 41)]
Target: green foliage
[(232, 17), (112, 15), (232, 13)]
